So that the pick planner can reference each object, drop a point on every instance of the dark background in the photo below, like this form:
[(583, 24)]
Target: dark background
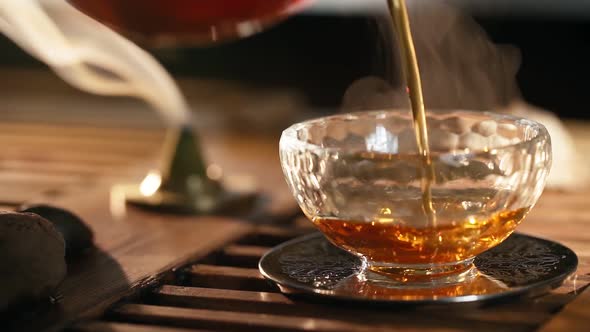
[(322, 55)]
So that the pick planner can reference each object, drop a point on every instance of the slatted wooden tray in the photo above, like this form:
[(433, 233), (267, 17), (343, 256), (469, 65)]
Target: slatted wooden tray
[(225, 292)]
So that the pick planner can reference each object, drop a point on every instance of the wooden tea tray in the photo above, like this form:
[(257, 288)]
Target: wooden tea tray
[(157, 272)]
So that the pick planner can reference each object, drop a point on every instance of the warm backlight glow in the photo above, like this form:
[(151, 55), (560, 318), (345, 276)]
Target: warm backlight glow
[(150, 184), (214, 172)]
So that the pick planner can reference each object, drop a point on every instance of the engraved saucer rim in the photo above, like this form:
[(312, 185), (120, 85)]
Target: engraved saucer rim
[(293, 288)]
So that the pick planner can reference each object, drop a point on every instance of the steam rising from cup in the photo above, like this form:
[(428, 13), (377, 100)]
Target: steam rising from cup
[(90, 56), (461, 68)]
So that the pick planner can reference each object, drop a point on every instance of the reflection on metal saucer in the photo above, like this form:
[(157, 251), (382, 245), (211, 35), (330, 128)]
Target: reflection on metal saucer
[(522, 265)]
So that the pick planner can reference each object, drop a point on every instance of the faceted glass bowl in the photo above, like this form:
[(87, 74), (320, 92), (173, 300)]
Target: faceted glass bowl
[(360, 179)]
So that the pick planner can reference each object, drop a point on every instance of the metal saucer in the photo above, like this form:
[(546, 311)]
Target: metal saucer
[(521, 265)]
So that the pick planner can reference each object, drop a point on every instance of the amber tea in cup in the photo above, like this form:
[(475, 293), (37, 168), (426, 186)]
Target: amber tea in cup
[(360, 179)]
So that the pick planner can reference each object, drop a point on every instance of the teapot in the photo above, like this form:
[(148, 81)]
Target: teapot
[(187, 21)]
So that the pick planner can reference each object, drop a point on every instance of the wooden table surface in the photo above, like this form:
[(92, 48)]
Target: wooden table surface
[(176, 272)]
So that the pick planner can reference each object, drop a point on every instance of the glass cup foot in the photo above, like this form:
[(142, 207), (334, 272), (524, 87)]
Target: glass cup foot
[(419, 275)]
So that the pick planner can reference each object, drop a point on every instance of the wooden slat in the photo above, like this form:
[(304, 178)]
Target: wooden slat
[(89, 145), (55, 167), (123, 327), (529, 311), (224, 299), (41, 130), (243, 255), (17, 176), (71, 156), (270, 236), (388, 320), (575, 317), (225, 320), (17, 192), (228, 277)]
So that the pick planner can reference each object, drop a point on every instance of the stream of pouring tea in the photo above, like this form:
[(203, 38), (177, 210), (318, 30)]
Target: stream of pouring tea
[(411, 72)]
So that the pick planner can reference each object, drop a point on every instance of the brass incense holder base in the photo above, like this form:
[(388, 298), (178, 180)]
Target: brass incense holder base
[(182, 184)]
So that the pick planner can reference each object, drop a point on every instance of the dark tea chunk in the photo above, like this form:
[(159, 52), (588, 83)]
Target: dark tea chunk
[(77, 235), (31, 257)]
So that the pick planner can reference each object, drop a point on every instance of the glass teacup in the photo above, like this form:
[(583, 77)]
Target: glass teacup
[(360, 179)]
